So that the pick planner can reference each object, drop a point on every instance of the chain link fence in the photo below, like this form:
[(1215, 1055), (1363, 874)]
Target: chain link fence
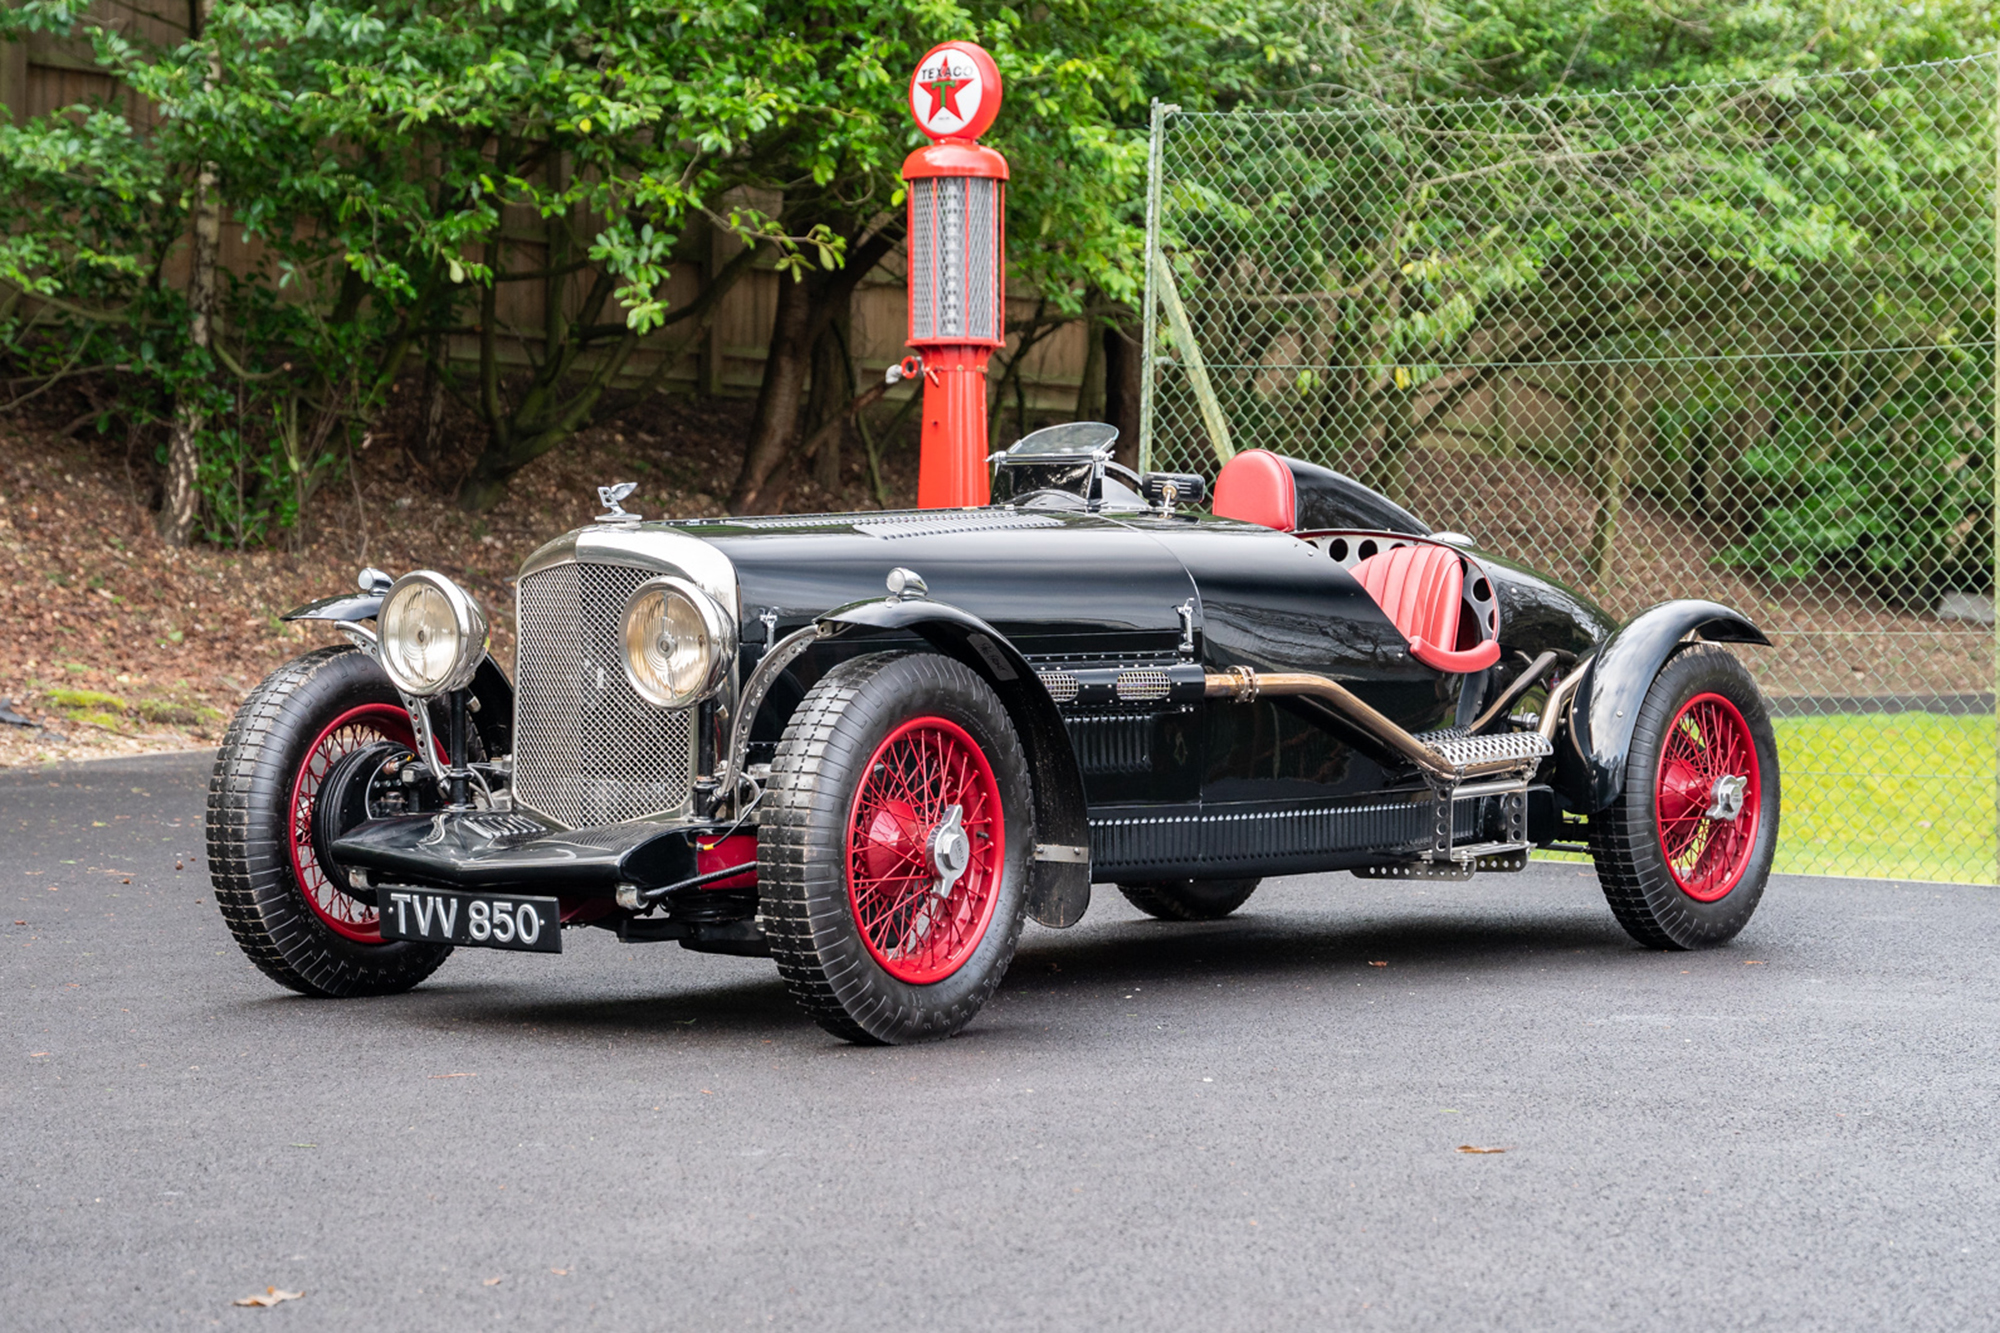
[(1730, 341)]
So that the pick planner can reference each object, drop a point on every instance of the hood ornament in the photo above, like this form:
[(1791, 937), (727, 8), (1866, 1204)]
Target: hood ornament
[(613, 499)]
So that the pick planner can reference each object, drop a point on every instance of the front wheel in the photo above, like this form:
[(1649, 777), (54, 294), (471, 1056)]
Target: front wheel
[(1684, 852), (892, 859), (290, 907)]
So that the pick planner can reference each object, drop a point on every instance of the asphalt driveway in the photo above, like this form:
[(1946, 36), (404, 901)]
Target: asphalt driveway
[(1256, 1124)]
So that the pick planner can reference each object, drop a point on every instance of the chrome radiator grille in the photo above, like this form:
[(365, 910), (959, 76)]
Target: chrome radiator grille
[(587, 749)]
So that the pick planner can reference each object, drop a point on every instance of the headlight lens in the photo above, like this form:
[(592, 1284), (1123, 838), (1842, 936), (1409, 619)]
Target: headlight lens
[(678, 642), (433, 635)]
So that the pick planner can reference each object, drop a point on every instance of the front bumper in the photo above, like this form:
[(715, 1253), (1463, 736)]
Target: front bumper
[(489, 850)]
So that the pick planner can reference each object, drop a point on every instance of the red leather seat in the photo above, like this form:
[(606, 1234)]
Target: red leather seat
[(1418, 586), (1257, 487)]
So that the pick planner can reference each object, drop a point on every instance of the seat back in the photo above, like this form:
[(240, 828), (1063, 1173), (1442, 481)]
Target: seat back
[(1256, 487), (1419, 588)]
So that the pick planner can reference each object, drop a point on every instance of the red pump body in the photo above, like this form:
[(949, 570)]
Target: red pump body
[(957, 268)]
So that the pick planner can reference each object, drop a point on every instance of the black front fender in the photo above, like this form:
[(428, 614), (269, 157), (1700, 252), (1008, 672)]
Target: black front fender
[(493, 693), (1606, 708), (346, 606), (1059, 878)]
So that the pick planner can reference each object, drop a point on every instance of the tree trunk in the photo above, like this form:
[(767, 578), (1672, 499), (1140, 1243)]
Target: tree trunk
[(805, 307), (1613, 465), (1396, 431), (831, 377), (787, 360), (177, 508), (1090, 392), (1123, 369), (430, 444)]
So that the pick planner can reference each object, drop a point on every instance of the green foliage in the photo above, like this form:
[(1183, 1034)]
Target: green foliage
[(1758, 257), (1904, 499), (387, 160)]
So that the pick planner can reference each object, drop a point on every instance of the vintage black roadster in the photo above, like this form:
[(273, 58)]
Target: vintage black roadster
[(871, 745)]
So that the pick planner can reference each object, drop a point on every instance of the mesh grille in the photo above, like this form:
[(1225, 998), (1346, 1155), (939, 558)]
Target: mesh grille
[(954, 258), (923, 258), (587, 749), (982, 229), (1143, 684), (1061, 686)]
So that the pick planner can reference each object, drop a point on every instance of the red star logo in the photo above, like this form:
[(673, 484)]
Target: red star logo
[(944, 91)]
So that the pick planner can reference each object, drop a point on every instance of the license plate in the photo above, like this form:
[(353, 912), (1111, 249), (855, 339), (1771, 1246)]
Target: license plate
[(481, 920)]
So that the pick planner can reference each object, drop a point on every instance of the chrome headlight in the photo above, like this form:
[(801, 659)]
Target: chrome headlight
[(678, 642), (433, 635)]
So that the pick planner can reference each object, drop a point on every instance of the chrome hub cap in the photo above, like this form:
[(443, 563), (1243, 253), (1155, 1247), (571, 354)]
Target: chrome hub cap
[(949, 850), (1726, 798)]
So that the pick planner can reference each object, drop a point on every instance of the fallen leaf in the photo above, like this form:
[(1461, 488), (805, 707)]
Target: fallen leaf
[(271, 1296), (1466, 1147), (177, 865), (706, 1093), (1753, 962), (1382, 964), (560, 1272), (492, 1281), (36, 1055), (454, 1076)]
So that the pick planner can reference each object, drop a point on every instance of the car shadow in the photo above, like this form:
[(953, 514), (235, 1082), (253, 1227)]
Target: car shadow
[(1418, 948), (1253, 946)]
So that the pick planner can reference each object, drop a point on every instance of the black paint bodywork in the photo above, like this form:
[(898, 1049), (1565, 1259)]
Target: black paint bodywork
[(1175, 788), (1168, 787)]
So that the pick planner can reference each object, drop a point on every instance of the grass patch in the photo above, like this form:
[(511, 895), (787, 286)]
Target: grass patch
[(116, 714), (166, 713), (86, 701), (1889, 795), (1884, 796)]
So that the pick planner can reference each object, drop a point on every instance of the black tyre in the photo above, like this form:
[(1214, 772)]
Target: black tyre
[(285, 902), (876, 937), (1679, 869), (1190, 899)]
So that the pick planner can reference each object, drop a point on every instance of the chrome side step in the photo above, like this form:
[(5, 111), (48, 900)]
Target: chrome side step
[(1487, 857)]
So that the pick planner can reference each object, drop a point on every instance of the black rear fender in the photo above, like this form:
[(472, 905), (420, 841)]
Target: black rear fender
[(1590, 772), (1059, 880)]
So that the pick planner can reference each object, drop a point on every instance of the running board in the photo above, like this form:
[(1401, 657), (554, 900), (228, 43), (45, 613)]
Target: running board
[(1488, 857)]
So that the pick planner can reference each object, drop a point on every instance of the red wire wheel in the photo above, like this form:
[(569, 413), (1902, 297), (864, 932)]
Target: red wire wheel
[(1707, 742), (359, 726), (921, 770)]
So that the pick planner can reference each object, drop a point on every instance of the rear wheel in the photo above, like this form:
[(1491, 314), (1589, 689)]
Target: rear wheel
[(309, 728), (1684, 852), (1190, 899), (892, 860)]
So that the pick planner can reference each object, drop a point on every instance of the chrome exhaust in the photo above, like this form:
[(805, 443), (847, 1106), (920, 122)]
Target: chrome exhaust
[(1244, 685)]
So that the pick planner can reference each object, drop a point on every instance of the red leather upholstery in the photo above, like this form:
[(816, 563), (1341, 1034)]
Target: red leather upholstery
[(1257, 487), (1419, 586)]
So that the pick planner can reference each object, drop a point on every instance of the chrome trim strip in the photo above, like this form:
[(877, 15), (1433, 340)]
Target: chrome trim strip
[(772, 665), (654, 546)]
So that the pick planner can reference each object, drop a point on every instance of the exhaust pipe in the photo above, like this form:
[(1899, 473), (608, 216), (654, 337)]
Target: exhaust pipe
[(1243, 685)]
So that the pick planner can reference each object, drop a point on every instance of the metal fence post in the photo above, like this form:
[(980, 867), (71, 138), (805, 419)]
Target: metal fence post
[(1147, 320)]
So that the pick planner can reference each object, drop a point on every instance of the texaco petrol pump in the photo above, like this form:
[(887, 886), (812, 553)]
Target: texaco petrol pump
[(957, 267)]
